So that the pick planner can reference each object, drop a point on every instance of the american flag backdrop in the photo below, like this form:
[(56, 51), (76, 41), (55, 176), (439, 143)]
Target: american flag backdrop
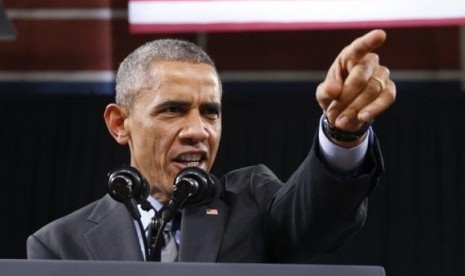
[(149, 16), (75, 46)]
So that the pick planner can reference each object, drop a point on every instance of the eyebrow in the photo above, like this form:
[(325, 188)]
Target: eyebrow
[(174, 103), (167, 104), (213, 105)]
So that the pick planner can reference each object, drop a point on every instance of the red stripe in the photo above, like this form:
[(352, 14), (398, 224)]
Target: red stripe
[(101, 45), (260, 26), (124, 42), (405, 48), (58, 45), (66, 45)]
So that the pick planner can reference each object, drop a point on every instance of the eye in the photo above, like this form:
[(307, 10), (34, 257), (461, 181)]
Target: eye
[(211, 111), (172, 108)]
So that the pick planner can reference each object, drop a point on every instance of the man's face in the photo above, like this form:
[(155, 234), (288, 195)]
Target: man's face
[(175, 123)]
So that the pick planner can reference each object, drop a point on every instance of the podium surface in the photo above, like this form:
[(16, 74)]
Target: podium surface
[(124, 268)]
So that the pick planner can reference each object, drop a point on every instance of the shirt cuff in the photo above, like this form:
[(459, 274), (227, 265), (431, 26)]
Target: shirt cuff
[(346, 161)]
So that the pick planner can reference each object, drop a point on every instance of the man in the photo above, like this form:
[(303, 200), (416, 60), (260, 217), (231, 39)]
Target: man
[(168, 111)]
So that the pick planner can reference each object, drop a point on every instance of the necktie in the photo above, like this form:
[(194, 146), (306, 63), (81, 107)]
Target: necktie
[(166, 250), (169, 252)]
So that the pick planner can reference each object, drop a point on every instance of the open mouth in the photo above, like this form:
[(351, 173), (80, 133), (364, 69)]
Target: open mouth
[(191, 159)]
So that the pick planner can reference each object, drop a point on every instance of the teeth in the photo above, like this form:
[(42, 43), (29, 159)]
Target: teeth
[(191, 157), (193, 164)]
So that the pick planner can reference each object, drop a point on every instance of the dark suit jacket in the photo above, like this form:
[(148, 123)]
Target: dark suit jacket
[(260, 219)]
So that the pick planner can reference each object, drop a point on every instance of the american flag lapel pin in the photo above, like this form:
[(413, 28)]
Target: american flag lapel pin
[(212, 212)]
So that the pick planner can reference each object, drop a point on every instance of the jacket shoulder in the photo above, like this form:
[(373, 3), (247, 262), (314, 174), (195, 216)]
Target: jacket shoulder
[(69, 230)]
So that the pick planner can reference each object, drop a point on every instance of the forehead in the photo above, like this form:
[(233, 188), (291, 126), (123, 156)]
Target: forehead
[(171, 78)]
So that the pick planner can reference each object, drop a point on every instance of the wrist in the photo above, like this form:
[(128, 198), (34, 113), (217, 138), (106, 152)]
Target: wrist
[(343, 138)]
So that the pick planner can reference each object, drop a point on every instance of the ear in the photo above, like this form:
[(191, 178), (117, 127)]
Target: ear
[(115, 116)]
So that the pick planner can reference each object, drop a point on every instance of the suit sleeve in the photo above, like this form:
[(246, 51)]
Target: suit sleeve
[(317, 210)]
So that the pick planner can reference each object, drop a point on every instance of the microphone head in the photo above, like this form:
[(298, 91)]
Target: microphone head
[(127, 186), (125, 183), (120, 187), (201, 184)]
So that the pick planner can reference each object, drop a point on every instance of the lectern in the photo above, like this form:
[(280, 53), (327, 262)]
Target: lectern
[(120, 268)]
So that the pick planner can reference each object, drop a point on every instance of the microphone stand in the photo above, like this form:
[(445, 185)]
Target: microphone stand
[(181, 192), (189, 182), (157, 228)]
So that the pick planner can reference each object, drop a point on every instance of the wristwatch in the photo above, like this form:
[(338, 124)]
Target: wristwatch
[(333, 132)]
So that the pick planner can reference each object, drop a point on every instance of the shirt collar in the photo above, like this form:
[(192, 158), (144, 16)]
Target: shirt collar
[(146, 217)]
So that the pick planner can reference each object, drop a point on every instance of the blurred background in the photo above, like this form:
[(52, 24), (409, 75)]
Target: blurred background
[(57, 64)]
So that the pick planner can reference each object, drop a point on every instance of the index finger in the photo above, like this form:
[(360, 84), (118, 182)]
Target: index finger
[(361, 46)]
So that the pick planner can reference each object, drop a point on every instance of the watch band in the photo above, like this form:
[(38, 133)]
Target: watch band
[(332, 132)]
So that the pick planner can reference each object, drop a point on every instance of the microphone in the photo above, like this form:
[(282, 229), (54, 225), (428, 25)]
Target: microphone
[(193, 186), (127, 185)]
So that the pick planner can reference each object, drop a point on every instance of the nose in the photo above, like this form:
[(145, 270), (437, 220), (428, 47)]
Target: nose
[(195, 130)]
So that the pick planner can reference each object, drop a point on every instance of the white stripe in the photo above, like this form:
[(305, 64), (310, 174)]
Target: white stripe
[(418, 75), (272, 75), (318, 76), (67, 14), (59, 76), (241, 11), (228, 76)]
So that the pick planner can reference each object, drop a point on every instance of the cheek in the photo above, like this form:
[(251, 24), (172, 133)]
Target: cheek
[(163, 140), (216, 140), (217, 134), (215, 137), (160, 150)]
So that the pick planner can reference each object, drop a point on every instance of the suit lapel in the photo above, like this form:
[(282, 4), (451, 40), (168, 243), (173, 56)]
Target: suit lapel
[(114, 236), (201, 231)]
